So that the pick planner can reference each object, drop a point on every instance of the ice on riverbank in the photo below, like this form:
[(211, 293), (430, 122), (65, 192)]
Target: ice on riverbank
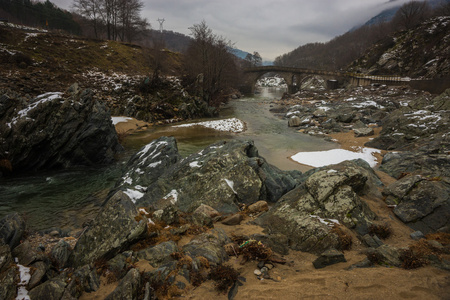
[(323, 158), (230, 125)]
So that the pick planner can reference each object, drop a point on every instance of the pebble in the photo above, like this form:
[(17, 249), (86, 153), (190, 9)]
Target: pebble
[(261, 264), (264, 269), (269, 266), (257, 272)]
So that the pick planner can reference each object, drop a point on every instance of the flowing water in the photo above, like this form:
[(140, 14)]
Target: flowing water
[(66, 199)]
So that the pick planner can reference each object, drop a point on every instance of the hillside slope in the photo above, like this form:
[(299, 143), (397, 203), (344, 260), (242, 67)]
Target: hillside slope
[(36, 61), (422, 52)]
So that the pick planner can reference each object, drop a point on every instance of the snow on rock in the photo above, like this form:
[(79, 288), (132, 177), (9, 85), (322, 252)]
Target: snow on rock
[(230, 184), (194, 164), (230, 125), (323, 158), (326, 221), (134, 194), (117, 120), (173, 195)]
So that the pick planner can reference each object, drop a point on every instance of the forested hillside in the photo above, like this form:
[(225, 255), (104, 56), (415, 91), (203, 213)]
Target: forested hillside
[(338, 53), (38, 14)]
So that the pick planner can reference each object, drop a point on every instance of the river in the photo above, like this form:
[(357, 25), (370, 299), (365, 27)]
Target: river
[(65, 199)]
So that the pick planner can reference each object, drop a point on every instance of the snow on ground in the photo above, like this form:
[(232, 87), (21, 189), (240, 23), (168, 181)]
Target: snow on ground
[(117, 120), (25, 277), (324, 158), (230, 125)]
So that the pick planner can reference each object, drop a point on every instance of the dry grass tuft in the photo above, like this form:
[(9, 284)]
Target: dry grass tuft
[(224, 277), (383, 231)]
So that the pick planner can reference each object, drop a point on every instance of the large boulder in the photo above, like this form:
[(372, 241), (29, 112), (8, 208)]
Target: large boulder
[(112, 230), (56, 130), (426, 164), (159, 254), (329, 196), (8, 283), (147, 165), (128, 287), (12, 227), (221, 176), (422, 204), (421, 195), (209, 245)]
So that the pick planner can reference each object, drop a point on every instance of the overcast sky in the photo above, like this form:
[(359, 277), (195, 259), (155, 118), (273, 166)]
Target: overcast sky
[(270, 27)]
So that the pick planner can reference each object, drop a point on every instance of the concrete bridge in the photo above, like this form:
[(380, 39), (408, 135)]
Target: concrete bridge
[(295, 76)]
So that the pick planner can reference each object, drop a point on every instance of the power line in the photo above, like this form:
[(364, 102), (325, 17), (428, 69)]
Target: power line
[(161, 21)]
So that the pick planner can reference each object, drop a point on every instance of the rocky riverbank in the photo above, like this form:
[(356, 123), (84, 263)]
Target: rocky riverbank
[(224, 221)]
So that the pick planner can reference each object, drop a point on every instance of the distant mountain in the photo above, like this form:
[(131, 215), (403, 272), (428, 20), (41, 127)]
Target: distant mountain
[(239, 53), (388, 14)]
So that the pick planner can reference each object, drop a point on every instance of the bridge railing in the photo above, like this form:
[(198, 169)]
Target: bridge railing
[(394, 78)]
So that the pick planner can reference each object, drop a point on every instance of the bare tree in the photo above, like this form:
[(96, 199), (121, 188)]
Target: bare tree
[(208, 62), (120, 18), (410, 14), (89, 9)]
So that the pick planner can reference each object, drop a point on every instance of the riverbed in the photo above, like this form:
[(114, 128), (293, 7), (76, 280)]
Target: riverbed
[(66, 199)]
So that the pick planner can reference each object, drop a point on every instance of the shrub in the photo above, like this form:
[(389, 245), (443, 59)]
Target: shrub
[(224, 276), (383, 231)]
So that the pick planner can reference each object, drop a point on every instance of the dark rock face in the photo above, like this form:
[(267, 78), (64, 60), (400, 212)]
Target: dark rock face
[(5, 257), (52, 289), (330, 195), (128, 287), (328, 258), (427, 164), (84, 279), (12, 228), (147, 165), (54, 130), (159, 254), (210, 246), (422, 196), (422, 204), (8, 283), (114, 228), (220, 176), (60, 253)]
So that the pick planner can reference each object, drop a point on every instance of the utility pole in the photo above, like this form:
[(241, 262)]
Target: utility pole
[(161, 21)]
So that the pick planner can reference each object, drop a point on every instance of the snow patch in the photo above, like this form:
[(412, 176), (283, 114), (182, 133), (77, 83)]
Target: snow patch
[(25, 276), (117, 120), (229, 125), (134, 195), (194, 164), (174, 195), (326, 221), (335, 156)]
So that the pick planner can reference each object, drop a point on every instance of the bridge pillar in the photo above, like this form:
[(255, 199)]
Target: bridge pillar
[(292, 89)]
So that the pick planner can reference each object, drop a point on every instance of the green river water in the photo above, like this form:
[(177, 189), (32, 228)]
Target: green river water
[(66, 199)]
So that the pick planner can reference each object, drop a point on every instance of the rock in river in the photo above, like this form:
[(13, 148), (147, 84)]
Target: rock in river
[(113, 229), (222, 176), (56, 130)]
